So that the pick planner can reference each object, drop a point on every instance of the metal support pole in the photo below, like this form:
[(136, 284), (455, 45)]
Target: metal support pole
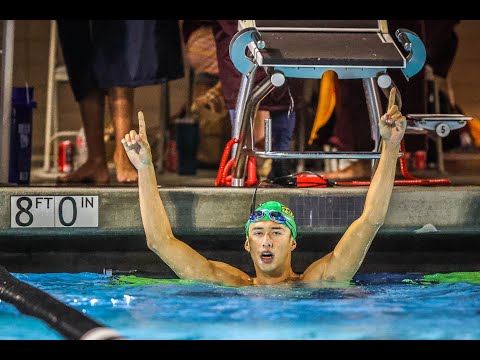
[(438, 139), (268, 134), (262, 90), (6, 97), (50, 95), (374, 105), (243, 97)]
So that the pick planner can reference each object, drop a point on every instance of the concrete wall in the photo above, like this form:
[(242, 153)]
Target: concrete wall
[(31, 64)]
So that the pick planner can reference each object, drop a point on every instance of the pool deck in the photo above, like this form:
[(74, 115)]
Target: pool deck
[(439, 225)]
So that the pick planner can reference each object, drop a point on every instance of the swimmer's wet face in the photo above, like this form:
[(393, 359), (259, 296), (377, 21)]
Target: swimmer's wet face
[(271, 233)]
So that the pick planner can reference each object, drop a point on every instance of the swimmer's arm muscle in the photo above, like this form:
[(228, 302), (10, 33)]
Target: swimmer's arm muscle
[(186, 262), (350, 251), (181, 258), (345, 260)]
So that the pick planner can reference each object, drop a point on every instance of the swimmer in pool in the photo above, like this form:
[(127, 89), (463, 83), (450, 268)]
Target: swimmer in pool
[(270, 231)]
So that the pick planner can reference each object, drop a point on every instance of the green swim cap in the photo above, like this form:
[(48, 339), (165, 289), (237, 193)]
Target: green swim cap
[(275, 211)]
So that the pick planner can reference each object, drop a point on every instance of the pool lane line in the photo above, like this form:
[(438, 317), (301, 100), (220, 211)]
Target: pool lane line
[(69, 322)]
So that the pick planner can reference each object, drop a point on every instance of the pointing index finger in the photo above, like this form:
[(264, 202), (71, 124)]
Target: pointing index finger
[(141, 124), (391, 99)]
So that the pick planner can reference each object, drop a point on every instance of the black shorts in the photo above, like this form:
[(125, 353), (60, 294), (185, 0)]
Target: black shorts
[(100, 54)]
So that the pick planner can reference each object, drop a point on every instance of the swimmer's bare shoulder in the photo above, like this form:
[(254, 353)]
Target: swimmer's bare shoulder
[(230, 275)]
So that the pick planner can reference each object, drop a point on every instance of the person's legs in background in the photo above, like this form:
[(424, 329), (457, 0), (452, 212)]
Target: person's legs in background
[(92, 109), (441, 42), (120, 101), (74, 36), (283, 125), (258, 126), (205, 104), (279, 100), (114, 55), (352, 130)]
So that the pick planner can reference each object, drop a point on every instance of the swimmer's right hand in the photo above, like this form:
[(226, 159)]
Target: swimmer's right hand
[(137, 146)]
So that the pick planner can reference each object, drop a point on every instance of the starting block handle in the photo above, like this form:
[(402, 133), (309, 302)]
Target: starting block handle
[(239, 44), (417, 53)]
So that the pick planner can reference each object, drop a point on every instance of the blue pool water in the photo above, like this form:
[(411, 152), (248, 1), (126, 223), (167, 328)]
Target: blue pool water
[(374, 306)]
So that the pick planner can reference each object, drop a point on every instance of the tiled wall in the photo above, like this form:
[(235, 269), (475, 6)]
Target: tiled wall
[(31, 61)]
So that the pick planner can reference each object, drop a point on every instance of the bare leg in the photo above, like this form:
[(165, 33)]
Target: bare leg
[(92, 109), (259, 128), (120, 100)]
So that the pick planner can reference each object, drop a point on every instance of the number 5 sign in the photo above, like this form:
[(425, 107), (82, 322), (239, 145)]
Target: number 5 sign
[(53, 211)]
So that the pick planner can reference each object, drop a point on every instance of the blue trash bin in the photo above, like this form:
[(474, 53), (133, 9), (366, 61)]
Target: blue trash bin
[(21, 135)]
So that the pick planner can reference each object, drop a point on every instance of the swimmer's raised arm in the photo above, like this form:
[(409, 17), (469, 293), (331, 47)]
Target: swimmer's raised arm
[(344, 261), (180, 257)]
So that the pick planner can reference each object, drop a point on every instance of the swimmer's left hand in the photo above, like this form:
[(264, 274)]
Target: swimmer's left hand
[(392, 123)]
